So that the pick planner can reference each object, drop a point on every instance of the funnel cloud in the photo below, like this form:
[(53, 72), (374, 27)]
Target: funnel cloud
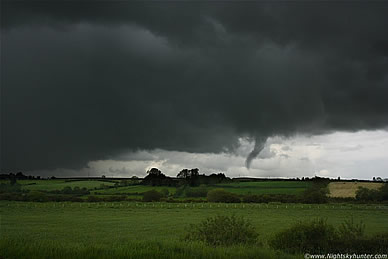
[(259, 145)]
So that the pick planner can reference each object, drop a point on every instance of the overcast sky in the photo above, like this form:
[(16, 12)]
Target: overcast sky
[(281, 89)]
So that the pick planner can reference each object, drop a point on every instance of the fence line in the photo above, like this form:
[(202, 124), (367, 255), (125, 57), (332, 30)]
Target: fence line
[(129, 205)]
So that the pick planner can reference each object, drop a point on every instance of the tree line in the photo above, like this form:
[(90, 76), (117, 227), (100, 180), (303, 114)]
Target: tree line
[(190, 177)]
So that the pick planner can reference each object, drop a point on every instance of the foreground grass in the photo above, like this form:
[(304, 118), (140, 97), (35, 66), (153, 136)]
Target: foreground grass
[(21, 248), (150, 230)]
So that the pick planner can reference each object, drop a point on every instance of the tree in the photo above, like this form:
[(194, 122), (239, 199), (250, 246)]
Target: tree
[(184, 174), (187, 174), (154, 171), (191, 176), (154, 177)]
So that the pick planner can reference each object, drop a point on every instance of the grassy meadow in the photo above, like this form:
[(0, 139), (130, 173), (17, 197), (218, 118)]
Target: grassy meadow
[(266, 187), (130, 229), (262, 187), (59, 184)]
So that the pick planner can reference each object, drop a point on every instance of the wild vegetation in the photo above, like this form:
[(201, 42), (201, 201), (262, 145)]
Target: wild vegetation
[(223, 230), (73, 229), (317, 236), (188, 186), (186, 217)]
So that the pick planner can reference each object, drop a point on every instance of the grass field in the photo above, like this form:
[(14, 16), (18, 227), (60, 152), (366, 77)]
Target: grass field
[(348, 189), (266, 187), (134, 189), (59, 184), (52, 230)]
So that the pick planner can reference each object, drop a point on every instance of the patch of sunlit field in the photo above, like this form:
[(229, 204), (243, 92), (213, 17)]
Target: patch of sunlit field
[(153, 230), (349, 189)]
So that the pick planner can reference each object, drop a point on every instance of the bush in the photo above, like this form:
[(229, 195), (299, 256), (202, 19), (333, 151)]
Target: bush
[(219, 195), (365, 194), (92, 198), (319, 237), (196, 192), (223, 230), (311, 237), (75, 199), (317, 192), (152, 195), (384, 192), (350, 230), (180, 191), (165, 192), (10, 188), (249, 198), (37, 196), (112, 198)]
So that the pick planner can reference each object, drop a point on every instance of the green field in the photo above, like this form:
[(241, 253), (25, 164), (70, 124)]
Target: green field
[(125, 229), (59, 184), (134, 189), (264, 187)]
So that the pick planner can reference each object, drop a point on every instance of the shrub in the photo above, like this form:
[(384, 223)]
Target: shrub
[(12, 196), (219, 195), (112, 198), (315, 195), (313, 237), (384, 192), (152, 195), (10, 188), (37, 196), (180, 191), (223, 230), (350, 230), (249, 198), (365, 194), (75, 199), (92, 198), (317, 192), (196, 192), (319, 237), (165, 192)]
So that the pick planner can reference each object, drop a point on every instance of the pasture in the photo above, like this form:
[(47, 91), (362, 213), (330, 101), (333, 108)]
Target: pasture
[(259, 187), (266, 187), (130, 229), (349, 189), (59, 184)]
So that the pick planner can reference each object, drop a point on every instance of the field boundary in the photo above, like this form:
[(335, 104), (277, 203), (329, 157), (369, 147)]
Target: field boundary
[(145, 205)]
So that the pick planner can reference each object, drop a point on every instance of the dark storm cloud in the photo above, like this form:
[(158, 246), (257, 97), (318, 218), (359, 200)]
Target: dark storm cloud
[(90, 80)]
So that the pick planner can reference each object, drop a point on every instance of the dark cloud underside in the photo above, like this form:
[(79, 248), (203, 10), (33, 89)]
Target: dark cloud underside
[(89, 80)]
